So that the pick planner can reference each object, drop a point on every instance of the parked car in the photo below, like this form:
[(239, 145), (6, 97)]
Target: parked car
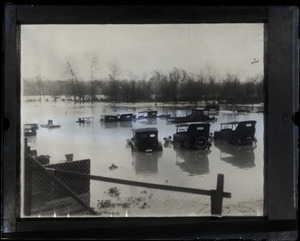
[(197, 115), (30, 129), (125, 117), (109, 118), (237, 132), (145, 139), (84, 120), (193, 136), (147, 114)]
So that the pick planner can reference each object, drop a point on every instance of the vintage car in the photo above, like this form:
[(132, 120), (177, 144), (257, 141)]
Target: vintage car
[(147, 114), (125, 117), (237, 132), (145, 139), (109, 118), (197, 115), (84, 120), (30, 129), (193, 136)]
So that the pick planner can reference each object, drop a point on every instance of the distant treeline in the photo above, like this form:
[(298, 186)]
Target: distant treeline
[(175, 87)]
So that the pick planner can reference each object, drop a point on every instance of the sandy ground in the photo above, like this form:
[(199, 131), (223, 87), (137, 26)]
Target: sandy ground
[(117, 202)]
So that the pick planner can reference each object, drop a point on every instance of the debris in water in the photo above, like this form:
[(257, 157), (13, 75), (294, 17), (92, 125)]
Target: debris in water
[(113, 192), (113, 166), (105, 204)]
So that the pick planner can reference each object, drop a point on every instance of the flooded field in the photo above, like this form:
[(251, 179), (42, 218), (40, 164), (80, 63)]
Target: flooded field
[(105, 145)]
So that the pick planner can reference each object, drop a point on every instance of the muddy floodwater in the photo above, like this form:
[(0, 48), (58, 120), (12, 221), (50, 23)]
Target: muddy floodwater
[(105, 145)]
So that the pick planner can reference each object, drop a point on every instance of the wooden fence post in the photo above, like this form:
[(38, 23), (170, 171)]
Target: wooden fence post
[(217, 196), (27, 181)]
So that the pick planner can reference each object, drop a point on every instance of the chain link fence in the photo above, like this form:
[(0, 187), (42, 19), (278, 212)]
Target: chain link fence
[(64, 189), (51, 193)]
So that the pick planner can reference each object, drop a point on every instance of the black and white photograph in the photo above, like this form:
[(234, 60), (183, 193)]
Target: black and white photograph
[(142, 120)]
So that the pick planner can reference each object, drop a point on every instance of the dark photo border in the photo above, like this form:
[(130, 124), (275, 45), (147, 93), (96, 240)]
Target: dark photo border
[(281, 140)]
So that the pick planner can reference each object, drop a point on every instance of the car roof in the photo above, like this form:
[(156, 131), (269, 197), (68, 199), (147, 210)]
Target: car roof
[(145, 129), (147, 111), (194, 123), (238, 122)]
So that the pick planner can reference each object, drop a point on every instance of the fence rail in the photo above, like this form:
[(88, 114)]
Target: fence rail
[(216, 195)]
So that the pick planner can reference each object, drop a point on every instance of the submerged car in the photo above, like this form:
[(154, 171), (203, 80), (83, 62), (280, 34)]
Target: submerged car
[(237, 132), (197, 115), (125, 117), (109, 118), (147, 114), (84, 120), (193, 136), (145, 139), (30, 129)]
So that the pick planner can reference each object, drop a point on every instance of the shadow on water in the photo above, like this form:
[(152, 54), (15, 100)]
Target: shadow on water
[(242, 157), (194, 162), (146, 163)]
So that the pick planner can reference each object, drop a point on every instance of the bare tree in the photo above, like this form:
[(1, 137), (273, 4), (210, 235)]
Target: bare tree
[(40, 86), (115, 70), (76, 87), (92, 60)]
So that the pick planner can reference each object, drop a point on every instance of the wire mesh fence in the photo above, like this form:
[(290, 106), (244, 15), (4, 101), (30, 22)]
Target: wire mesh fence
[(50, 193), (64, 189)]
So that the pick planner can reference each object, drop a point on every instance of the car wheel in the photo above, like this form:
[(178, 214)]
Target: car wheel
[(201, 143), (160, 148)]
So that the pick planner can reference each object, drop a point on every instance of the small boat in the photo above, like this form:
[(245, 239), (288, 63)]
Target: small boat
[(109, 118), (50, 125), (83, 120)]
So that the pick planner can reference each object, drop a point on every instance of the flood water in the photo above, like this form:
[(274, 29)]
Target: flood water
[(105, 144)]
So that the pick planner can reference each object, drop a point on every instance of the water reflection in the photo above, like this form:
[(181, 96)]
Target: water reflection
[(146, 163), (240, 156), (31, 140), (125, 123), (109, 124), (107, 142), (194, 162), (147, 121)]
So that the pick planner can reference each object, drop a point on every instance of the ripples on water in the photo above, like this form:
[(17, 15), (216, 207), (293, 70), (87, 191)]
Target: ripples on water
[(105, 144)]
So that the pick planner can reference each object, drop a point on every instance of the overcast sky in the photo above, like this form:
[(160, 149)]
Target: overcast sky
[(141, 49)]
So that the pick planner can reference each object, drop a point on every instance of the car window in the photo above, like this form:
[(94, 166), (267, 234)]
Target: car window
[(182, 129)]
